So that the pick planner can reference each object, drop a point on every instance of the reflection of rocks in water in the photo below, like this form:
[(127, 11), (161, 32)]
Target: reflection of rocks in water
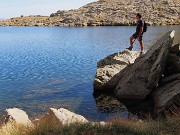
[(108, 104), (140, 108), (134, 109)]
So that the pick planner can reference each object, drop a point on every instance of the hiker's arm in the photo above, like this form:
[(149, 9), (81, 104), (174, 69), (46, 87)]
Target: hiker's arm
[(140, 33)]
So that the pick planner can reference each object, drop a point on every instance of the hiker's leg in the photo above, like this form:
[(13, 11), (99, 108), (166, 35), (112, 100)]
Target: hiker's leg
[(142, 45), (131, 44), (131, 40)]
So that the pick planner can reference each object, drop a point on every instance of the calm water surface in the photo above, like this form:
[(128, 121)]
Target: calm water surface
[(42, 67)]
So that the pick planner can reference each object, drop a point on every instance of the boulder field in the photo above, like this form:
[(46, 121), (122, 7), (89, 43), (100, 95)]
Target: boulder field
[(129, 76)]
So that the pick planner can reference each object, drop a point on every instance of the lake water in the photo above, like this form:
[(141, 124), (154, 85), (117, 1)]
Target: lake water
[(42, 67)]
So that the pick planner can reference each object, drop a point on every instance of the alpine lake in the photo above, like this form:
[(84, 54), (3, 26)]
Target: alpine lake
[(43, 67)]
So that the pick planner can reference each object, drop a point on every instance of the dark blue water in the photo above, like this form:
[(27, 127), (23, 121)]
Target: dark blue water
[(42, 67)]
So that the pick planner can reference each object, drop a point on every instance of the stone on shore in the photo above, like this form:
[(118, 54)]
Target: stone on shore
[(66, 117), (136, 81), (108, 68), (17, 115), (63, 116)]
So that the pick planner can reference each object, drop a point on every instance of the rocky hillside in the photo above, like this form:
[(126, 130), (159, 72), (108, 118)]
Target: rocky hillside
[(34, 20), (110, 12)]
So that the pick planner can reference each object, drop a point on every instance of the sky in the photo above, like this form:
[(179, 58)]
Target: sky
[(15, 8)]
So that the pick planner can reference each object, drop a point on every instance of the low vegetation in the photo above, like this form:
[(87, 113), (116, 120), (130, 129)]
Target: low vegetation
[(116, 126)]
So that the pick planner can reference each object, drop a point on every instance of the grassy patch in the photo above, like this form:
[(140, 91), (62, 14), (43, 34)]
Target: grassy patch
[(51, 126)]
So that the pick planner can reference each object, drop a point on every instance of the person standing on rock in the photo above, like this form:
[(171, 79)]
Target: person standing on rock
[(138, 34)]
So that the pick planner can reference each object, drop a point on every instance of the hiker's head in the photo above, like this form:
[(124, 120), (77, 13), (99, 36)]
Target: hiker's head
[(138, 16)]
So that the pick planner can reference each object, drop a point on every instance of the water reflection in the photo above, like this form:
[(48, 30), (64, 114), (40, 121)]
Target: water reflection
[(108, 104), (131, 108)]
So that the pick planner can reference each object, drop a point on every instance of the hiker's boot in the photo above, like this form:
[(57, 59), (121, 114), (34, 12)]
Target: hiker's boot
[(141, 52), (130, 48)]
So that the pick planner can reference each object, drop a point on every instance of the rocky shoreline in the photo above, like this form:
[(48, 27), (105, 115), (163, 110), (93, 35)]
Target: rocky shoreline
[(106, 13), (64, 116), (153, 76), (128, 76)]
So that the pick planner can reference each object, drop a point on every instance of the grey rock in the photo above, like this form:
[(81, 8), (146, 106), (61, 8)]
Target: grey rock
[(107, 74), (136, 81), (173, 61), (175, 49), (170, 79), (168, 93)]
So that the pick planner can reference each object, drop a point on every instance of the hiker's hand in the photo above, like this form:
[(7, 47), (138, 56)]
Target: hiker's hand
[(138, 38)]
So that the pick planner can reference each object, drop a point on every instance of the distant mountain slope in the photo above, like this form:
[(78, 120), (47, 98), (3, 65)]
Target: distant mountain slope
[(116, 12)]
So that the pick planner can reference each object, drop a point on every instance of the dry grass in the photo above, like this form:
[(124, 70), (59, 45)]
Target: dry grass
[(13, 129), (51, 126)]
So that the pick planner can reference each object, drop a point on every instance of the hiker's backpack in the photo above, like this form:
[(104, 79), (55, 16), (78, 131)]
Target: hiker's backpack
[(145, 27)]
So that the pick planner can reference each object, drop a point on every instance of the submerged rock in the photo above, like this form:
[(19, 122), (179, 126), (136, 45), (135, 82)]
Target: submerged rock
[(108, 68), (17, 115), (136, 81), (108, 104)]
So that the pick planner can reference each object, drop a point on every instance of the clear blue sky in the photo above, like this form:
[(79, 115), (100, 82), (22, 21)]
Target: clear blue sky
[(14, 8)]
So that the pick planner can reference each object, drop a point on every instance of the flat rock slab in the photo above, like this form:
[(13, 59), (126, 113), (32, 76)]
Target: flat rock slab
[(108, 68), (17, 115)]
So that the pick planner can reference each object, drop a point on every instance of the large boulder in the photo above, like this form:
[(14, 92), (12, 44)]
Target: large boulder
[(108, 68), (168, 93), (173, 61), (18, 116), (66, 117), (136, 81)]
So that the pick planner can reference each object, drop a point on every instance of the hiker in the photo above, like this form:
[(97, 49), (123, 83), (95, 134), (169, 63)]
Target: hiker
[(138, 34)]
